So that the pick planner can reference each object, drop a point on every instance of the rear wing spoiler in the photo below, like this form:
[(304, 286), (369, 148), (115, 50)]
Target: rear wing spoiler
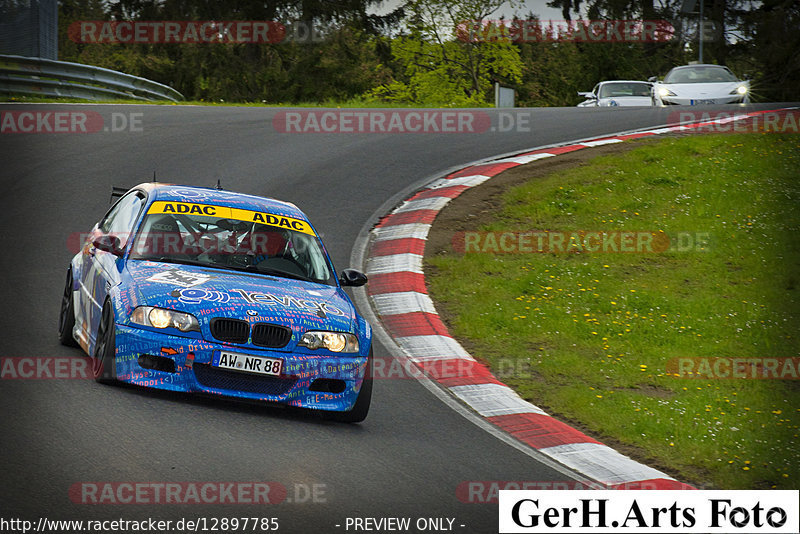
[(117, 192)]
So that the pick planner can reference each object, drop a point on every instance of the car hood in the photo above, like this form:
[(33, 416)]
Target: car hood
[(209, 293), (702, 90)]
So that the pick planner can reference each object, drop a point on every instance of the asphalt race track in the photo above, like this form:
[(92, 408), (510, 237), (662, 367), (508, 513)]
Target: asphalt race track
[(406, 460)]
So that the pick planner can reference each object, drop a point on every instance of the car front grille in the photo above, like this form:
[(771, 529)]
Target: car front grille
[(271, 335), (214, 377), (230, 330)]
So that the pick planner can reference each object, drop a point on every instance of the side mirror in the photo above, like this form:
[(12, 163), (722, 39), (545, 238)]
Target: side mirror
[(108, 243), (588, 96), (652, 79), (352, 278)]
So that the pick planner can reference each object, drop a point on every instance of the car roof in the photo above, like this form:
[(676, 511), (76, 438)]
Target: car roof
[(700, 65), (626, 81), (220, 197)]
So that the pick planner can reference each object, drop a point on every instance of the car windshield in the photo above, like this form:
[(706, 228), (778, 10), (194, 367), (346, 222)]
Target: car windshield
[(700, 75), (208, 240), (608, 90)]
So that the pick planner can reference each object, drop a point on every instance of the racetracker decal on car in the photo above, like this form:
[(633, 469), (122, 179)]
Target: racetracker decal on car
[(280, 221)]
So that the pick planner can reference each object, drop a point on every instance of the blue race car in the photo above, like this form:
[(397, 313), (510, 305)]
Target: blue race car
[(209, 291)]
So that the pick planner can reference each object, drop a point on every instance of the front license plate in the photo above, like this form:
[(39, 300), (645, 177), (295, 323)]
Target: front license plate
[(702, 102), (248, 363)]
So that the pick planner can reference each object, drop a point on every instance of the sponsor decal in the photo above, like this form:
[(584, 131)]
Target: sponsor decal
[(196, 296), (179, 278), (288, 302)]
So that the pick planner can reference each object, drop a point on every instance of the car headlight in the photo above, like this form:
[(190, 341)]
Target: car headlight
[(741, 90), (163, 318), (333, 341), (663, 91)]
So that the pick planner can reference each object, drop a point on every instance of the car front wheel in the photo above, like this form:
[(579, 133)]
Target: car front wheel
[(361, 407), (105, 348), (66, 318)]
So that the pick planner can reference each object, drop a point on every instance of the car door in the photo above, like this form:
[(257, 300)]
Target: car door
[(99, 268)]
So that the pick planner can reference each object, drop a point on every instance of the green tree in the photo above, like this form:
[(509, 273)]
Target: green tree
[(345, 63), (439, 64), (771, 51)]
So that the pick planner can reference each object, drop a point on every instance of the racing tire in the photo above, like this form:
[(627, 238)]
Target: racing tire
[(104, 364), (66, 317), (361, 408)]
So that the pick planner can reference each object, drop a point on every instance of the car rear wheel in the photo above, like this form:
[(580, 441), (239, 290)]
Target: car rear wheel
[(66, 318), (361, 407), (104, 366)]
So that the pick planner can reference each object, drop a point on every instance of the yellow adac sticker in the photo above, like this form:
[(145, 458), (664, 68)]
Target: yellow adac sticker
[(281, 221), (189, 208)]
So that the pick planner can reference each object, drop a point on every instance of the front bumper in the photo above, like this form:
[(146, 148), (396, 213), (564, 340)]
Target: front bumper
[(681, 101), (164, 361)]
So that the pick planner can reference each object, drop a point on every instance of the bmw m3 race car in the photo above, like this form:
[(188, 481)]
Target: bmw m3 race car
[(209, 291)]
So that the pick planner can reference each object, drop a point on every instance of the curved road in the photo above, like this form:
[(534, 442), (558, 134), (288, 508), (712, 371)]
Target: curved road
[(406, 460)]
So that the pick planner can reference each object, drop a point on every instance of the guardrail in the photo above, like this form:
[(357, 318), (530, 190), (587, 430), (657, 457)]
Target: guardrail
[(45, 77)]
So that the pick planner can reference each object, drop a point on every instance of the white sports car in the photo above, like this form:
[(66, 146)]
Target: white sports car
[(692, 85), (618, 93)]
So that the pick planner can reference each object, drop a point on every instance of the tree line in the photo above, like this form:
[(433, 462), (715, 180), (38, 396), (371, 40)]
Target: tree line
[(434, 52)]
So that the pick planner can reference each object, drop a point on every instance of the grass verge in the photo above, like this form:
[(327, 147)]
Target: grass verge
[(588, 335)]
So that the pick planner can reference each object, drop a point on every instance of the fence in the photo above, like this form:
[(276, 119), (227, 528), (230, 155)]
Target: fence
[(45, 77)]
